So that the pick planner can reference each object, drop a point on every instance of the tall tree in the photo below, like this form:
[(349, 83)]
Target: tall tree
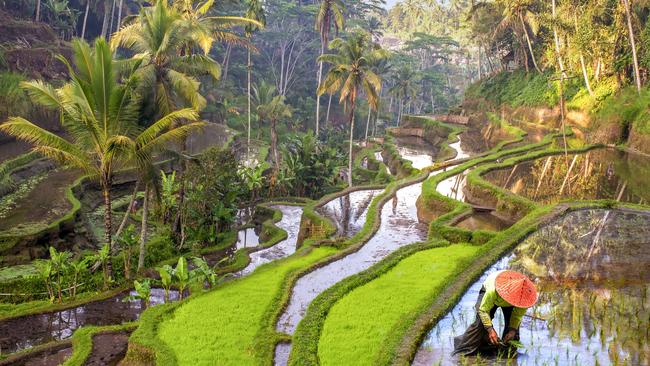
[(256, 12), (330, 13), (630, 33), (101, 117), (349, 75)]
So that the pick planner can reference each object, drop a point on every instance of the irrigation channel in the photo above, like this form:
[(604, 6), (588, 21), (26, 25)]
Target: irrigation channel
[(591, 267), (399, 226)]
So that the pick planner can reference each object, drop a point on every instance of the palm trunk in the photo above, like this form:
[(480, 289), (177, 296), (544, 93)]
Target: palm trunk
[(320, 79), (557, 42), (368, 122), (274, 146), (110, 25), (351, 139), (83, 27), (119, 15), (108, 224), (530, 45), (226, 63), (105, 21), (249, 67), (143, 228), (630, 30), (329, 106), (129, 208), (38, 11), (582, 60)]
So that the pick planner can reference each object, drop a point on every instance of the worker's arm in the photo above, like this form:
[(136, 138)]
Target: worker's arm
[(516, 316), (487, 303)]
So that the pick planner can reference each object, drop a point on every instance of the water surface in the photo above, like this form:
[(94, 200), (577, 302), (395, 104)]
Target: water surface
[(591, 269), (596, 174)]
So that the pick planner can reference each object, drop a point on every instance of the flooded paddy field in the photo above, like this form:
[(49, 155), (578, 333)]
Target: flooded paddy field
[(290, 222), (348, 212), (28, 331), (591, 270), (596, 174), (399, 226)]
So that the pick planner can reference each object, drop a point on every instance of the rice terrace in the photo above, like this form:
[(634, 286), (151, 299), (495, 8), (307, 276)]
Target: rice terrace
[(324, 182)]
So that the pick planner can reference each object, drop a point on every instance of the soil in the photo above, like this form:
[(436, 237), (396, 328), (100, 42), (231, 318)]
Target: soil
[(29, 331), (50, 357), (108, 348), (44, 204)]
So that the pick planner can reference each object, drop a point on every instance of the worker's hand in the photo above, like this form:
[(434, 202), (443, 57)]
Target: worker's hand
[(492, 335), (510, 335)]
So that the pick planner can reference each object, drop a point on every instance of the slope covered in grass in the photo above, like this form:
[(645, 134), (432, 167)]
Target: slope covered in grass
[(219, 328), (361, 325)]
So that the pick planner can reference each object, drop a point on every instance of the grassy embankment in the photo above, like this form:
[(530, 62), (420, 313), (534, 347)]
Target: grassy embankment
[(614, 115)]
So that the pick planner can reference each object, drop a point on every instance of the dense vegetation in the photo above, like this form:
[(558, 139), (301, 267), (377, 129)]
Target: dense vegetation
[(168, 128)]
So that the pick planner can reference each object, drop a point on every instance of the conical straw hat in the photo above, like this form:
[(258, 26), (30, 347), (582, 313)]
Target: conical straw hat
[(517, 289)]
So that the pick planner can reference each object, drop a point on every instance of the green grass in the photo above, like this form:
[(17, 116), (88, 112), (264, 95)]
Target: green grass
[(359, 326), (221, 326)]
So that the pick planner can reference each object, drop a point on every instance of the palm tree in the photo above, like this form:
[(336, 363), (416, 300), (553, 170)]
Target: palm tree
[(404, 87), (331, 12), (100, 115), (630, 32), (520, 13), (350, 74), (271, 108), (256, 12)]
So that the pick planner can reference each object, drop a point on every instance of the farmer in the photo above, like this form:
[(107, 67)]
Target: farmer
[(511, 291)]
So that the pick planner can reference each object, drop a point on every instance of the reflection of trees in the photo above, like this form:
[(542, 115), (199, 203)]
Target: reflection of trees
[(592, 280), (603, 173)]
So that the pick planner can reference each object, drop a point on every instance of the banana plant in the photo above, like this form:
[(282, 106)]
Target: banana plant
[(101, 259), (77, 267), (127, 241), (203, 273), (182, 276), (166, 273), (142, 292), (59, 262), (45, 273)]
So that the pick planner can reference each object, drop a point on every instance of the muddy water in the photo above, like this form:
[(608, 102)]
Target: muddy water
[(24, 332), (399, 226), (482, 221), (591, 269), (348, 212), (597, 174), (417, 150), (290, 222)]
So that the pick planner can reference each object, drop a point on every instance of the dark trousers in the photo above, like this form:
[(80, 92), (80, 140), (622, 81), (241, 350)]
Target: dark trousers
[(475, 339)]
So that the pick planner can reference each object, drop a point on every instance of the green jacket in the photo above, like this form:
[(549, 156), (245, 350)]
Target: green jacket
[(491, 299)]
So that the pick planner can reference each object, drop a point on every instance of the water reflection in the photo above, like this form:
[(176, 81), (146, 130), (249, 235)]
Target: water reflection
[(591, 269), (247, 238), (416, 150), (348, 212), (24, 332), (291, 224), (597, 174)]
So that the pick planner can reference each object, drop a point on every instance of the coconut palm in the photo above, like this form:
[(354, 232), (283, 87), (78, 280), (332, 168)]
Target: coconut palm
[(405, 86), (520, 13), (158, 35), (349, 75), (100, 115), (271, 108), (330, 13)]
